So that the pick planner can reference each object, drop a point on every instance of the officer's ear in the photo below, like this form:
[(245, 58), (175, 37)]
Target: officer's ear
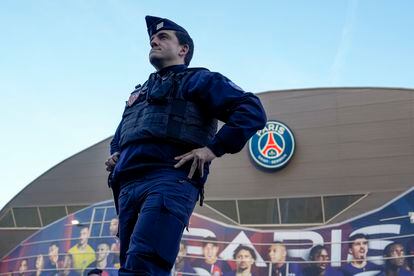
[(184, 50)]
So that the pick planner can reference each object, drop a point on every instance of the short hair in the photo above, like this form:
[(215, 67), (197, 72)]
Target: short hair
[(355, 237), (244, 247), (95, 271), (317, 249), (185, 39), (211, 240)]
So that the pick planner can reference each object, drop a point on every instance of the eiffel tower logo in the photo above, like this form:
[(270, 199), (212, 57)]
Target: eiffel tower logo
[(271, 146)]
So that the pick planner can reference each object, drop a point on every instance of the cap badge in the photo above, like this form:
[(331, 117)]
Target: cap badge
[(160, 25)]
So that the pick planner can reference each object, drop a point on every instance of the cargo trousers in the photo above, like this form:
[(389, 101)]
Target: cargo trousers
[(154, 210)]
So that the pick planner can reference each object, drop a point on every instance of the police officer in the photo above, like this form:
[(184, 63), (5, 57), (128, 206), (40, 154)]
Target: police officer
[(163, 146)]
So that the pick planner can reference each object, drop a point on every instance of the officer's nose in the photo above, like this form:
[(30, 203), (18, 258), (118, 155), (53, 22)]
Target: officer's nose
[(154, 42)]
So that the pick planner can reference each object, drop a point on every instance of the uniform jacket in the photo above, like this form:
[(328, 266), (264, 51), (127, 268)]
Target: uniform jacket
[(219, 98)]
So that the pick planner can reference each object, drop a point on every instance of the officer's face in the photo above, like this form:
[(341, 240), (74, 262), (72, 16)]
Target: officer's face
[(359, 249), (166, 50)]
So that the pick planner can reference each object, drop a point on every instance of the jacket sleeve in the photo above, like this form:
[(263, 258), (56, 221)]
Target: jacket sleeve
[(242, 112), (114, 147)]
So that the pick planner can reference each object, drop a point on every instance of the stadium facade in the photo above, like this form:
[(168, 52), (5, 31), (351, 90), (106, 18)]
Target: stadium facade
[(352, 154)]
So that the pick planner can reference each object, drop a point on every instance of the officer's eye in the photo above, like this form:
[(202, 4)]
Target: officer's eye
[(163, 36)]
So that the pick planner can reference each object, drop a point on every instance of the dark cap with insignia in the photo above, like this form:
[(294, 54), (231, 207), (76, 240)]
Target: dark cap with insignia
[(155, 24)]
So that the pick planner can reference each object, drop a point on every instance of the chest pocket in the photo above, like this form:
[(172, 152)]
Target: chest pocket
[(162, 90)]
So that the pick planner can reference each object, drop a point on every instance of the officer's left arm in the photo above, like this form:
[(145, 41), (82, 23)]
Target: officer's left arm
[(242, 113), (114, 150), (114, 147)]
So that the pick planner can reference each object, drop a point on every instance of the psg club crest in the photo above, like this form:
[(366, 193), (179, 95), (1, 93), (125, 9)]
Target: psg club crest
[(273, 146)]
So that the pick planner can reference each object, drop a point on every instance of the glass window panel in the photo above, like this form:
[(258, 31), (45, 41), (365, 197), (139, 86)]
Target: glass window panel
[(227, 207), (74, 208), (335, 204), (7, 220), (110, 213), (99, 215), (51, 214), (105, 229), (262, 211), (96, 229), (301, 210), (26, 217)]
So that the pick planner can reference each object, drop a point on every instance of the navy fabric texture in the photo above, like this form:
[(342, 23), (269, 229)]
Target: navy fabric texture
[(242, 113), (164, 201), (155, 200)]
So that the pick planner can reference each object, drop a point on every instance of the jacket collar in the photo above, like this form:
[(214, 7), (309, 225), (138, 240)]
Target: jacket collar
[(172, 68)]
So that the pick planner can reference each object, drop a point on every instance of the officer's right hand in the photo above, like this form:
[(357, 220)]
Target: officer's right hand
[(199, 156), (111, 161)]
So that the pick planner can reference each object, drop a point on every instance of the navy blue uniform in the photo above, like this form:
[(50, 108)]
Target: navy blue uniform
[(242, 113), (148, 183)]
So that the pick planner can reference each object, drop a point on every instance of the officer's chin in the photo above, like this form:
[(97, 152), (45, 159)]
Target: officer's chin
[(155, 61)]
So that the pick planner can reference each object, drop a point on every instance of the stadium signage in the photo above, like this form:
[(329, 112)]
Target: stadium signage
[(383, 226), (273, 146)]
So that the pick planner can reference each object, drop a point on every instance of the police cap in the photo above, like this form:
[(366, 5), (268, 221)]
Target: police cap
[(155, 24)]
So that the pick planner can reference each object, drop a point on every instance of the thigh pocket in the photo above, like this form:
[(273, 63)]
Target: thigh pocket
[(174, 216), (179, 207), (124, 197)]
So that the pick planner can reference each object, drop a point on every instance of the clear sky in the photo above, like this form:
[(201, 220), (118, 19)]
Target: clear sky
[(67, 67)]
